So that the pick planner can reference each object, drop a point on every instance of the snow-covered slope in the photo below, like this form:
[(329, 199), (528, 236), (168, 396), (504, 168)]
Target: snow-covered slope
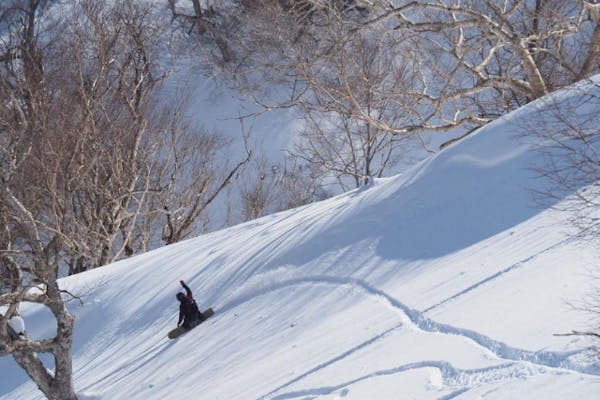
[(442, 283)]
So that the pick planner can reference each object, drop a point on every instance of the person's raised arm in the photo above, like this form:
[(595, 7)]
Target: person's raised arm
[(187, 289)]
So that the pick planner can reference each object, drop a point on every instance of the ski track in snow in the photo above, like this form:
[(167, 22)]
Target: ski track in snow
[(452, 376), (123, 372), (516, 265), (330, 362), (541, 359), (262, 257), (453, 394)]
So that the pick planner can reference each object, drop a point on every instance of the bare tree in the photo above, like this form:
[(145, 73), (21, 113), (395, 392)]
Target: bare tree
[(82, 160), (259, 193), (361, 100), (474, 60), (98, 148), (345, 78), (347, 151), (521, 49), (202, 22), (269, 188), (194, 170), (40, 262), (29, 247), (569, 140), (111, 168)]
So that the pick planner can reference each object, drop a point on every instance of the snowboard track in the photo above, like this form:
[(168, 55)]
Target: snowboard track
[(500, 273), (544, 359), (453, 377)]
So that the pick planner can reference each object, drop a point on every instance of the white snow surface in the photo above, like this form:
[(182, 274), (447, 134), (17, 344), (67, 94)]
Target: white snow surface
[(17, 324), (446, 282)]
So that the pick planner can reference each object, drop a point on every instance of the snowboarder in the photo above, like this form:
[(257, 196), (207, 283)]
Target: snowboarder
[(188, 309)]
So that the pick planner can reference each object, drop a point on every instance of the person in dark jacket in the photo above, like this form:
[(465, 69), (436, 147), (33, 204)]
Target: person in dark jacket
[(188, 309)]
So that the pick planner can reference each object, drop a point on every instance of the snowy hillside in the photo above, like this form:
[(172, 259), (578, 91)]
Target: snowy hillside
[(442, 283)]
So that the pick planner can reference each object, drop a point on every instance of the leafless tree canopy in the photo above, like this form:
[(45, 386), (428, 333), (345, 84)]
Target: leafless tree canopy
[(27, 247), (570, 139), (398, 68), (93, 166), (272, 188)]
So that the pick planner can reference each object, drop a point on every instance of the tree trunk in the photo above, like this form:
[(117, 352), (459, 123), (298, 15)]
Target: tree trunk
[(36, 371), (591, 61)]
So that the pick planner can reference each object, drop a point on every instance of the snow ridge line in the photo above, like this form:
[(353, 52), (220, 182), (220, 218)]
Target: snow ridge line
[(499, 273), (450, 374), (548, 359)]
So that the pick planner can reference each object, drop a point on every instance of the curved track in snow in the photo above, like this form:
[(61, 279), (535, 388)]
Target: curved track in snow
[(526, 360), (450, 375), (502, 350)]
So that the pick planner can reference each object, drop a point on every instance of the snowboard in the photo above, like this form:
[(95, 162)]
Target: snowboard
[(180, 330)]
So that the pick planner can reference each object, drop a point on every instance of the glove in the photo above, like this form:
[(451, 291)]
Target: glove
[(182, 283)]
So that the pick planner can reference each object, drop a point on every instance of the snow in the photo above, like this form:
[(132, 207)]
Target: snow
[(445, 282), (87, 396), (17, 324)]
